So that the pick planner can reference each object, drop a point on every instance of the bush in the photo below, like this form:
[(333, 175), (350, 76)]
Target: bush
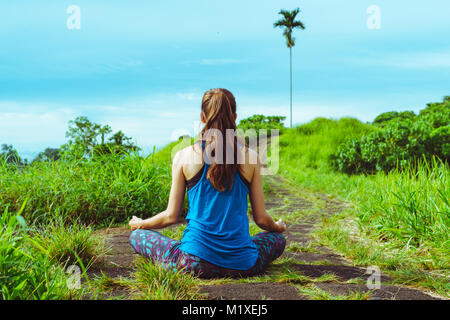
[(259, 122), (402, 141), (386, 117)]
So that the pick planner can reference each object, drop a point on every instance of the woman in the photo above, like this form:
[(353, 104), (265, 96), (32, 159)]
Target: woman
[(216, 241)]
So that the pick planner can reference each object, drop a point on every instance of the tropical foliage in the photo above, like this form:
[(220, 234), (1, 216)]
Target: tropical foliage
[(9, 155), (87, 139), (404, 139), (260, 122)]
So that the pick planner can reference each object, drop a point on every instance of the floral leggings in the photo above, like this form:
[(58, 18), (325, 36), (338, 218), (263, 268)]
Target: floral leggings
[(164, 250)]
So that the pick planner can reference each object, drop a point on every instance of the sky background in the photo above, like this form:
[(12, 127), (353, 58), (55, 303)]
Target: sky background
[(142, 66)]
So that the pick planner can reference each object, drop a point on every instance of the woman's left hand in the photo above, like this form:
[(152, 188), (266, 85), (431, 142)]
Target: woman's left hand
[(135, 223)]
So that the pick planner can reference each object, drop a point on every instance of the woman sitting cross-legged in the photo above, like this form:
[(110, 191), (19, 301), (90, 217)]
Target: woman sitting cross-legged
[(216, 241)]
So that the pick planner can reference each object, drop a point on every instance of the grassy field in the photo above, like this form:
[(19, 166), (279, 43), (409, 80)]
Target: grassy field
[(398, 221), (50, 211), (101, 192)]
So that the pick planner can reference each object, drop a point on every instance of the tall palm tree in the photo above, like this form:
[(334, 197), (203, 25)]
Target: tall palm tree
[(289, 23)]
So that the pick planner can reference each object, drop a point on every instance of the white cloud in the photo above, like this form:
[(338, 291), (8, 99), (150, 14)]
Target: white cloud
[(211, 62), (112, 108), (409, 60), (170, 115), (214, 62), (189, 96), (31, 130)]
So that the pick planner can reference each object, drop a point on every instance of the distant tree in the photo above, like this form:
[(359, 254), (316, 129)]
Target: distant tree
[(386, 117), (289, 23), (118, 143), (9, 155), (83, 134), (49, 154), (120, 139), (86, 139), (105, 130), (260, 122), (437, 113)]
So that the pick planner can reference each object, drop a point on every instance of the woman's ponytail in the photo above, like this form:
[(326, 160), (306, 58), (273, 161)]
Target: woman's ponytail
[(219, 111)]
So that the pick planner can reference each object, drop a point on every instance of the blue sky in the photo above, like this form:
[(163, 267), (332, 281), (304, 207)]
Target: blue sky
[(143, 66)]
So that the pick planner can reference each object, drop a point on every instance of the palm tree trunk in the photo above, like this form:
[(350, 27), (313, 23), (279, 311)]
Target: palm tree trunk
[(290, 58)]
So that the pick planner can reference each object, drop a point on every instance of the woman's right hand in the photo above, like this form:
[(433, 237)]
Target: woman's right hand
[(281, 226)]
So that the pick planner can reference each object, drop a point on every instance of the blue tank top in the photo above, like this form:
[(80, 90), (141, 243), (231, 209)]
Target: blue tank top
[(217, 225)]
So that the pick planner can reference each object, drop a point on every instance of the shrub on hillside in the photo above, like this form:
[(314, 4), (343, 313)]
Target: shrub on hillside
[(323, 125), (387, 117), (402, 141), (311, 144), (259, 122)]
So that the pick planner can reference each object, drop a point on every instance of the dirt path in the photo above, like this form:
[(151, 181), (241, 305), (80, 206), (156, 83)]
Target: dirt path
[(309, 260)]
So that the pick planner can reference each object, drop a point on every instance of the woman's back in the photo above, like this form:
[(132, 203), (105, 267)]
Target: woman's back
[(192, 160), (218, 229)]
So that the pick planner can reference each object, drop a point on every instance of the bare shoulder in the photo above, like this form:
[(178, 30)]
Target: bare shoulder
[(249, 161), (190, 158), (185, 155)]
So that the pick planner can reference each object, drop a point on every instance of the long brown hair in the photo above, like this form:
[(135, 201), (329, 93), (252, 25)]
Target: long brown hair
[(219, 111)]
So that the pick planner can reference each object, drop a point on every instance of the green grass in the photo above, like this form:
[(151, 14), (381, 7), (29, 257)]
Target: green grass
[(101, 287), (60, 204), (411, 206), (310, 145), (27, 273), (109, 189), (315, 293), (398, 221), (154, 282), (70, 242), (174, 232), (278, 271)]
